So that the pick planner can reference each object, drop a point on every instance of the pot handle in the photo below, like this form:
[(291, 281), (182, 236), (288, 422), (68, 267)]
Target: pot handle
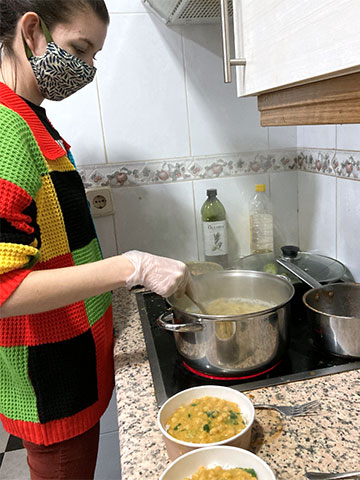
[(163, 320)]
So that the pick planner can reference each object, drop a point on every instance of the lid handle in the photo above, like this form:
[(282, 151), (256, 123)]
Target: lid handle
[(290, 251)]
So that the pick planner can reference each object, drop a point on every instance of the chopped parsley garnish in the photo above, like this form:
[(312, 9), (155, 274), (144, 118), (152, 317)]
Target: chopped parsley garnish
[(193, 404), (233, 418), (177, 426), (189, 415), (211, 414), (206, 427), (251, 471)]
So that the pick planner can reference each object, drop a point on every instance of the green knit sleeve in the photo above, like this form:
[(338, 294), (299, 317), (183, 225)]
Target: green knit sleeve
[(21, 161)]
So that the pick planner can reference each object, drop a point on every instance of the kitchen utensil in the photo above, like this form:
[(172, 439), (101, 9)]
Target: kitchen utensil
[(292, 410), (334, 312), (332, 476), (194, 292), (233, 344), (176, 447), (198, 268), (321, 268)]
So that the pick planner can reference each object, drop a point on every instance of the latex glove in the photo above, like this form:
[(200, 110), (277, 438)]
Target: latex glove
[(162, 275)]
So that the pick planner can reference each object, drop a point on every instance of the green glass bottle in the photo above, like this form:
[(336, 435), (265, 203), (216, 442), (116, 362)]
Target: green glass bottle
[(213, 216)]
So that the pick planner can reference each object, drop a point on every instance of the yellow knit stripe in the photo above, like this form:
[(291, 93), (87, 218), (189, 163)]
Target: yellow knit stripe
[(14, 256), (61, 164), (54, 240)]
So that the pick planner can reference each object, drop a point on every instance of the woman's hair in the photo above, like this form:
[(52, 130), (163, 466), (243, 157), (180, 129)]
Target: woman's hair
[(52, 12)]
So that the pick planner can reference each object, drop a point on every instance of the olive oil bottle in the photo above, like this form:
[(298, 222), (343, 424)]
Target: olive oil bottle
[(213, 216)]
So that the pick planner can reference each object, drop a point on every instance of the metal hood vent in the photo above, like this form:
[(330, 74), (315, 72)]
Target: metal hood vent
[(188, 11)]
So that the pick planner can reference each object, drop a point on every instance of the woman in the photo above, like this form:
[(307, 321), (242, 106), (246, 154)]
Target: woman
[(56, 365)]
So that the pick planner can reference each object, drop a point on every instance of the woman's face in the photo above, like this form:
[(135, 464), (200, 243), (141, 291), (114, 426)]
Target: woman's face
[(83, 36)]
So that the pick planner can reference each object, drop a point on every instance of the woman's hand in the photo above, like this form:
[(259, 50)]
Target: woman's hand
[(162, 275)]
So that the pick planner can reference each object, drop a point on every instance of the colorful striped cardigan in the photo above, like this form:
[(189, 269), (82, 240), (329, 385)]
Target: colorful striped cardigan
[(56, 368)]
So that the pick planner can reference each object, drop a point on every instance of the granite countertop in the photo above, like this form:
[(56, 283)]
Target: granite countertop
[(328, 441)]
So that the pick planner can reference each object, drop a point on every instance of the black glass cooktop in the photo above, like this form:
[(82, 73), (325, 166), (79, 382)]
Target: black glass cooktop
[(302, 360)]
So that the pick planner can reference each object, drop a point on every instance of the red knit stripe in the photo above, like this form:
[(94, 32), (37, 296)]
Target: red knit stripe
[(59, 430), (60, 261), (49, 147), (9, 282), (14, 200)]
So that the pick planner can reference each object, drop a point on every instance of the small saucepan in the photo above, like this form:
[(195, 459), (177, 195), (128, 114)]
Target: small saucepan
[(334, 312)]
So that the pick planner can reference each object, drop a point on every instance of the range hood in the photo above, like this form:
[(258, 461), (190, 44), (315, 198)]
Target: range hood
[(187, 11)]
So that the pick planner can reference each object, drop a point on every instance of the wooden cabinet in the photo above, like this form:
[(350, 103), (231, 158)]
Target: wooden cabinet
[(292, 43)]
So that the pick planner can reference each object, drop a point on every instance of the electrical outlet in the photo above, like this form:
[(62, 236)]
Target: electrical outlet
[(100, 200)]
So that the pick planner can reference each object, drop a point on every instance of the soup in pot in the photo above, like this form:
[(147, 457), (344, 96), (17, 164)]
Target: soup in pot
[(224, 306)]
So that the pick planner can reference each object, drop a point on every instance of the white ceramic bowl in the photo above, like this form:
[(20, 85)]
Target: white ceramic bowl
[(226, 457), (176, 447)]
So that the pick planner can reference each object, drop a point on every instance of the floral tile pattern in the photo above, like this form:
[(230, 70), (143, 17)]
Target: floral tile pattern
[(329, 162), (169, 171)]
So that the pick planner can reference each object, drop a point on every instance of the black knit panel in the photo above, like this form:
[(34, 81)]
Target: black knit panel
[(63, 375), (11, 234), (72, 198)]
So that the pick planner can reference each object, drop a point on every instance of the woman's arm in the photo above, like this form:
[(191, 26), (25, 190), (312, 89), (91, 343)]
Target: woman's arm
[(44, 290)]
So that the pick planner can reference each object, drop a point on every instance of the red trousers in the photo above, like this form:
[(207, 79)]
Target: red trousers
[(73, 459)]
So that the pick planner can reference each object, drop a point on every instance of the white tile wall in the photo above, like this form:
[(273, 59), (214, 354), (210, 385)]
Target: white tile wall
[(329, 216), (316, 136), (284, 198), (106, 235), (125, 6), (317, 213), (219, 122), (348, 224), (282, 137), (348, 137), (158, 219), (142, 90)]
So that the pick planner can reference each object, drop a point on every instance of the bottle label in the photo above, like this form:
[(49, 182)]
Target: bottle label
[(215, 238)]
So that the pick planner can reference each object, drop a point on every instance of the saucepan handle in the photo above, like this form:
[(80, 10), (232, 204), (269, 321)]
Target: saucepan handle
[(164, 322)]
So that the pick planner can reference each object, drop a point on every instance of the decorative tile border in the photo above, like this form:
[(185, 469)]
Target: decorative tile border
[(184, 169), (338, 163)]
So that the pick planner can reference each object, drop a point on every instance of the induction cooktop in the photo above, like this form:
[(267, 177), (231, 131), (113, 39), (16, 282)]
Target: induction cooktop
[(302, 360)]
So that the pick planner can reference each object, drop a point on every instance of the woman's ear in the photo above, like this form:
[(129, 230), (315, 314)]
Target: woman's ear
[(32, 33)]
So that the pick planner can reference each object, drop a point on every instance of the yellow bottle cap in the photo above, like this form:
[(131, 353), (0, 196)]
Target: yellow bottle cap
[(260, 188)]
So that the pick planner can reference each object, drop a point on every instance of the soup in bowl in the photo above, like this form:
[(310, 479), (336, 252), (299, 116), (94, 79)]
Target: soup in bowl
[(205, 416)]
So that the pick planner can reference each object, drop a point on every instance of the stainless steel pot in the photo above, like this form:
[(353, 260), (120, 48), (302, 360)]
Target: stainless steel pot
[(232, 344), (334, 312)]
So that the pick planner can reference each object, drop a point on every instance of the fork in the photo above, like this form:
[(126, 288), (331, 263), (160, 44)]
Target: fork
[(293, 410), (331, 476)]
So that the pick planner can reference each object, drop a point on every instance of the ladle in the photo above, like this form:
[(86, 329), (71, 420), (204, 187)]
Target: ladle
[(193, 293)]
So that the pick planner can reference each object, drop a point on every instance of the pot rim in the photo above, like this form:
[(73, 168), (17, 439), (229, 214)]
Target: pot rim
[(243, 316), (325, 287)]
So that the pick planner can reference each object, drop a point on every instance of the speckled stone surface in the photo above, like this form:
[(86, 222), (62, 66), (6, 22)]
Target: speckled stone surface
[(328, 441)]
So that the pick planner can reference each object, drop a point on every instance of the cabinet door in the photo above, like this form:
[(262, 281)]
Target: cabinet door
[(291, 42)]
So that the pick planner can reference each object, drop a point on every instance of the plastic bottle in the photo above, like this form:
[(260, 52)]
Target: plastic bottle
[(214, 227), (261, 222)]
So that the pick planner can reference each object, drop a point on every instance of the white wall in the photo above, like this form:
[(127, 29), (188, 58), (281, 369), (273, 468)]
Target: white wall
[(159, 104), (329, 192)]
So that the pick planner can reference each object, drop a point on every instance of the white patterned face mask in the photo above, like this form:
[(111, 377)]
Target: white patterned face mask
[(58, 73)]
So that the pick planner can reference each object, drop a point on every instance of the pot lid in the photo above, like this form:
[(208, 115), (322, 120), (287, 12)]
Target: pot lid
[(323, 269)]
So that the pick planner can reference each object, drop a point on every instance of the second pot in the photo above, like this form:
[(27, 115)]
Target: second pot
[(233, 345)]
